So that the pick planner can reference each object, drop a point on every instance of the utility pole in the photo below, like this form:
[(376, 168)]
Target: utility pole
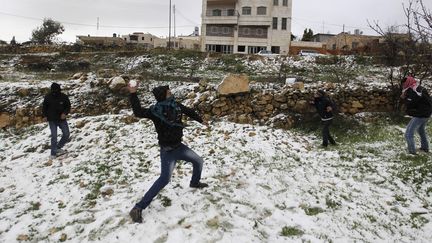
[(174, 26), (97, 24), (169, 27)]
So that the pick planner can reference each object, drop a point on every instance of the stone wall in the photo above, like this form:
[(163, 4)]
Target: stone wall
[(281, 106), (285, 105)]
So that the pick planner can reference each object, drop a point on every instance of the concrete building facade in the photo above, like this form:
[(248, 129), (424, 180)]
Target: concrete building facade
[(246, 26), (141, 38), (350, 42)]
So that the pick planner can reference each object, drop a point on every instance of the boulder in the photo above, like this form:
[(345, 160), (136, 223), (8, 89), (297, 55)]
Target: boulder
[(298, 85), (301, 106), (23, 92), (117, 83), (106, 73), (77, 75), (5, 120), (357, 104), (234, 84)]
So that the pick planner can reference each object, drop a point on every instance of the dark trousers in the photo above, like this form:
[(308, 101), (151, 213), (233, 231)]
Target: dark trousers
[(64, 127), (168, 161), (326, 133)]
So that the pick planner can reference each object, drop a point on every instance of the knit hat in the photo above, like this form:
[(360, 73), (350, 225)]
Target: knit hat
[(160, 92), (55, 88), (410, 82)]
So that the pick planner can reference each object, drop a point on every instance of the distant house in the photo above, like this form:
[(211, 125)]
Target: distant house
[(100, 40), (145, 39), (297, 46), (351, 42), (321, 37)]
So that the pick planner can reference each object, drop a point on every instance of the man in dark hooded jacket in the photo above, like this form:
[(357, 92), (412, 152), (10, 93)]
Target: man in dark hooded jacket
[(56, 106), (419, 106), (324, 107), (167, 118)]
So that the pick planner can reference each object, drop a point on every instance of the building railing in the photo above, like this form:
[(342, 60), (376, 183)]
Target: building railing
[(222, 13)]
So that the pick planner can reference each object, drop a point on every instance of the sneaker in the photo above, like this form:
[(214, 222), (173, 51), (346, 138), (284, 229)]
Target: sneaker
[(60, 151), (136, 215), (424, 150), (198, 185)]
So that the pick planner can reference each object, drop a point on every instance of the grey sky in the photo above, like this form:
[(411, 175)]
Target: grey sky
[(19, 17)]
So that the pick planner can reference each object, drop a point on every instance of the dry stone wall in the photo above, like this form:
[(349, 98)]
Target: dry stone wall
[(282, 106)]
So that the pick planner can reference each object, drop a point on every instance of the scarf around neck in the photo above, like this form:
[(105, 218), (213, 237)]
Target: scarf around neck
[(167, 111)]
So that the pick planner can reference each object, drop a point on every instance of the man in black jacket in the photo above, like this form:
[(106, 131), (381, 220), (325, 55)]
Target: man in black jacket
[(324, 107), (56, 106), (167, 118), (419, 107)]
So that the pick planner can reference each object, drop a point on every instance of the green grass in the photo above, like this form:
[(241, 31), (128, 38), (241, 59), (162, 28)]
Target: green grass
[(288, 231)]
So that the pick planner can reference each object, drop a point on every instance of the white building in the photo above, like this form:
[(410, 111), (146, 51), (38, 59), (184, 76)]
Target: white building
[(140, 38), (246, 26)]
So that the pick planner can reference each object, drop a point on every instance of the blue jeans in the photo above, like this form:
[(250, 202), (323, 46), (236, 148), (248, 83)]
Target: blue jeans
[(64, 127), (168, 161), (417, 124)]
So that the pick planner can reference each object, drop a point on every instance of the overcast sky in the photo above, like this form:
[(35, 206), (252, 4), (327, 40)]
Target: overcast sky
[(19, 17)]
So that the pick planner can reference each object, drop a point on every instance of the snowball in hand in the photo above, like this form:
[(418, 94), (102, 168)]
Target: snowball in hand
[(133, 83)]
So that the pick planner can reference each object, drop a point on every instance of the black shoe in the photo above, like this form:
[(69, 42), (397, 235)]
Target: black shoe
[(198, 185), (424, 150), (136, 215)]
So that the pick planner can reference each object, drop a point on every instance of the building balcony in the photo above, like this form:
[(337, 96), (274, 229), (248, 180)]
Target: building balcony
[(221, 2), (221, 16)]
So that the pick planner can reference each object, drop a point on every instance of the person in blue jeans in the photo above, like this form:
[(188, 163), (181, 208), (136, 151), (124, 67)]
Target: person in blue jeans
[(166, 115), (56, 106), (419, 106)]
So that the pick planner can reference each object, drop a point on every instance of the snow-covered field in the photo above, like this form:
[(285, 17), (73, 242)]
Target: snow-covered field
[(266, 185)]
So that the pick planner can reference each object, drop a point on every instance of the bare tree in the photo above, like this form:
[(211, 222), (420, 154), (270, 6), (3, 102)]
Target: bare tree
[(409, 51)]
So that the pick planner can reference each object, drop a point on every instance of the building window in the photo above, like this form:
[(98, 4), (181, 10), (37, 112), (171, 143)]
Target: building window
[(261, 11), (252, 32), (151, 39), (355, 45), (217, 12), (241, 48), (220, 30), (275, 49), (133, 38), (142, 38), (284, 23), (275, 23), (226, 30), (227, 49), (230, 12), (246, 10), (275, 2), (285, 2), (255, 49)]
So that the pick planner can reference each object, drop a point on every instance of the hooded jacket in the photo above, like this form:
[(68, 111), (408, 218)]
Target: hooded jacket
[(169, 135), (55, 103), (321, 104), (418, 102)]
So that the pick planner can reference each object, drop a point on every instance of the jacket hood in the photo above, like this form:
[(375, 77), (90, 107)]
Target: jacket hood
[(55, 88), (160, 92)]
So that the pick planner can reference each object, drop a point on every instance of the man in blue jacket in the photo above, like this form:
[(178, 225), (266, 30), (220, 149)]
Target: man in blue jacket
[(56, 106), (167, 118), (324, 107)]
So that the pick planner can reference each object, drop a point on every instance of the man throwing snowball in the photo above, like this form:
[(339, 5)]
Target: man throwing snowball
[(166, 115)]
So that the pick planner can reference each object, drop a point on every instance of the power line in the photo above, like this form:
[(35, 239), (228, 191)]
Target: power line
[(96, 25)]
